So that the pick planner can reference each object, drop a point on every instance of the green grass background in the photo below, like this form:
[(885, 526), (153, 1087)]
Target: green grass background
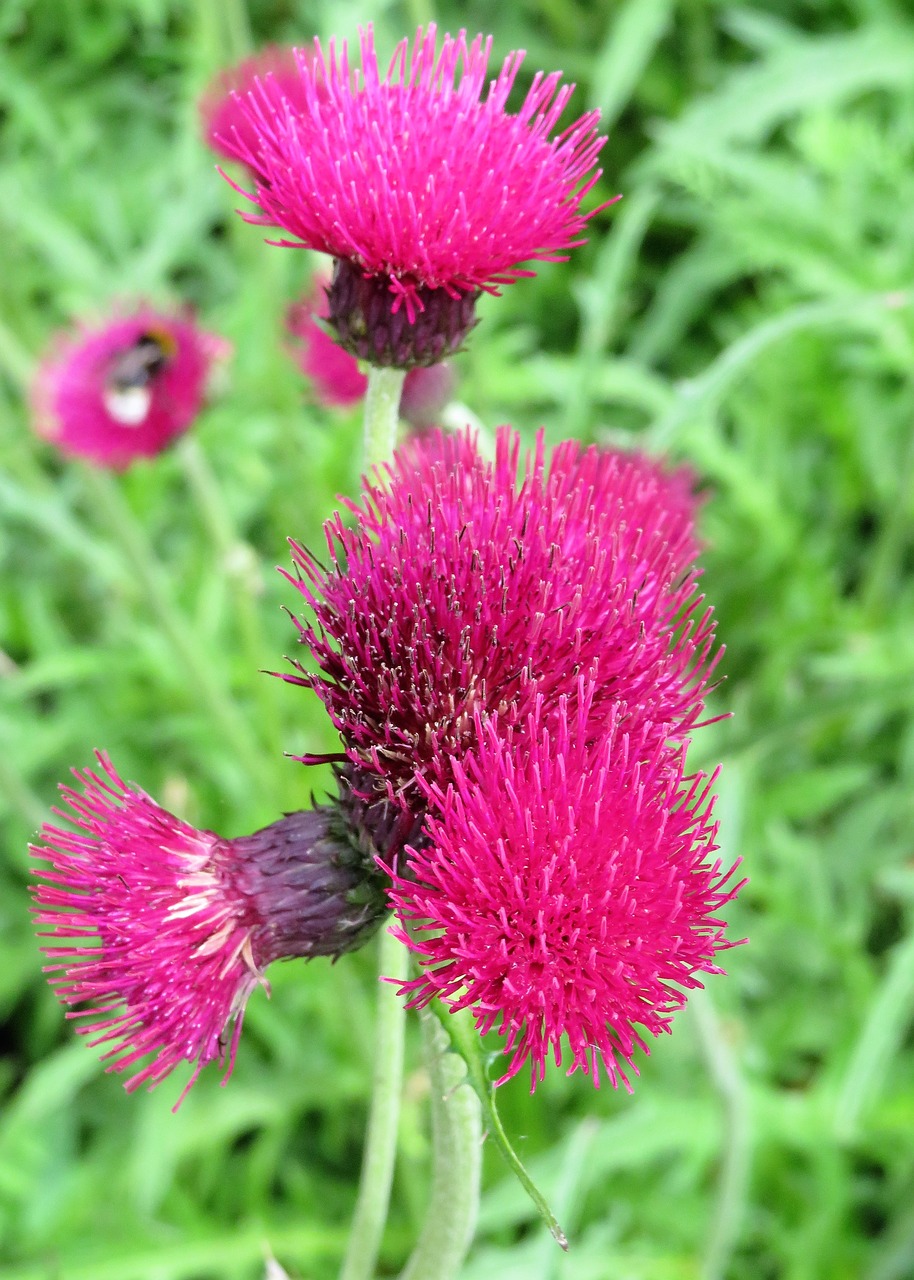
[(747, 306)]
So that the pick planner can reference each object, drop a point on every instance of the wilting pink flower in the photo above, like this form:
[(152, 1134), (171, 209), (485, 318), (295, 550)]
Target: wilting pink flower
[(421, 184), (158, 933), (220, 115), (462, 590), (126, 388), (335, 376), (333, 373), (568, 891)]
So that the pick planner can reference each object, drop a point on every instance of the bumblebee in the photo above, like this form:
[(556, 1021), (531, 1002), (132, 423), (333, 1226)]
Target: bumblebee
[(128, 385)]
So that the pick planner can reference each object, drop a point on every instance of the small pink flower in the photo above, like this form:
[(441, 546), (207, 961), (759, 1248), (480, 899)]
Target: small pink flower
[(334, 373), (567, 891), (220, 115), (421, 184), (158, 933), (462, 589), (124, 389)]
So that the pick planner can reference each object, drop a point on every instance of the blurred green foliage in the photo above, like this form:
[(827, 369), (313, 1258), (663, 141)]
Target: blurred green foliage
[(747, 306)]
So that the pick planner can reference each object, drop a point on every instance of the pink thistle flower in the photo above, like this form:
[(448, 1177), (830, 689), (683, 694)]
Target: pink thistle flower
[(335, 375), (220, 115), (567, 892), (424, 191), (126, 388), (464, 592), (158, 933)]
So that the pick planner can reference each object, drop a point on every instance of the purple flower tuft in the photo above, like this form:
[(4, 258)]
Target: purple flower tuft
[(334, 373)]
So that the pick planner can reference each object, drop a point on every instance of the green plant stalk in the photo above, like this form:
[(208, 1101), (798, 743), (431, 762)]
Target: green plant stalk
[(224, 31), (886, 565), (19, 795), (465, 1040), (879, 1039), (733, 1179), (227, 545), (135, 545), (453, 1207), (238, 37), (382, 406), (381, 1139)]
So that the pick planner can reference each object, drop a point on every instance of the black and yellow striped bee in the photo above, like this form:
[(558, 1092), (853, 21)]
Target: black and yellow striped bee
[(130, 378)]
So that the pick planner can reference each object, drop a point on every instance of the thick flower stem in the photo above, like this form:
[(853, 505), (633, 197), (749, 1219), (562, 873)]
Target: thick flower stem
[(382, 404), (381, 1139), (453, 1208)]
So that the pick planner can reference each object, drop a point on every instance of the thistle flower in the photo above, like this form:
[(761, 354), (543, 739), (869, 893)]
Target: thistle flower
[(463, 592), (158, 933), (125, 388), (424, 191), (335, 375), (220, 115), (568, 893)]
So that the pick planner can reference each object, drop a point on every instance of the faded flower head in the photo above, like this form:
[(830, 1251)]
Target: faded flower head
[(464, 590), (567, 891), (157, 933), (420, 183), (220, 115), (336, 378), (126, 388)]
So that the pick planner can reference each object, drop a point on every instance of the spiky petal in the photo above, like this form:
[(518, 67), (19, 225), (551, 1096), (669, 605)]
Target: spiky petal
[(420, 177), (462, 589), (157, 933), (568, 892)]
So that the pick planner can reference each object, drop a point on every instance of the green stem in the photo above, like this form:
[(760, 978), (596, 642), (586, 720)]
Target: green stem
[(885, 567), (238, 563), (879, 1040), (381, 1139), (453, 1208), (733, 1179), (421, 12), (382, 404), (238, 39), (132, 540), (17, 791)]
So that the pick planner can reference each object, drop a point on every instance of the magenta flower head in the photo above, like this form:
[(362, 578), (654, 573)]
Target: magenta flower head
[(336, 378), (568, 891), (220, 115), (463, 589), (158, 933), (419, 183), (124, 389)]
